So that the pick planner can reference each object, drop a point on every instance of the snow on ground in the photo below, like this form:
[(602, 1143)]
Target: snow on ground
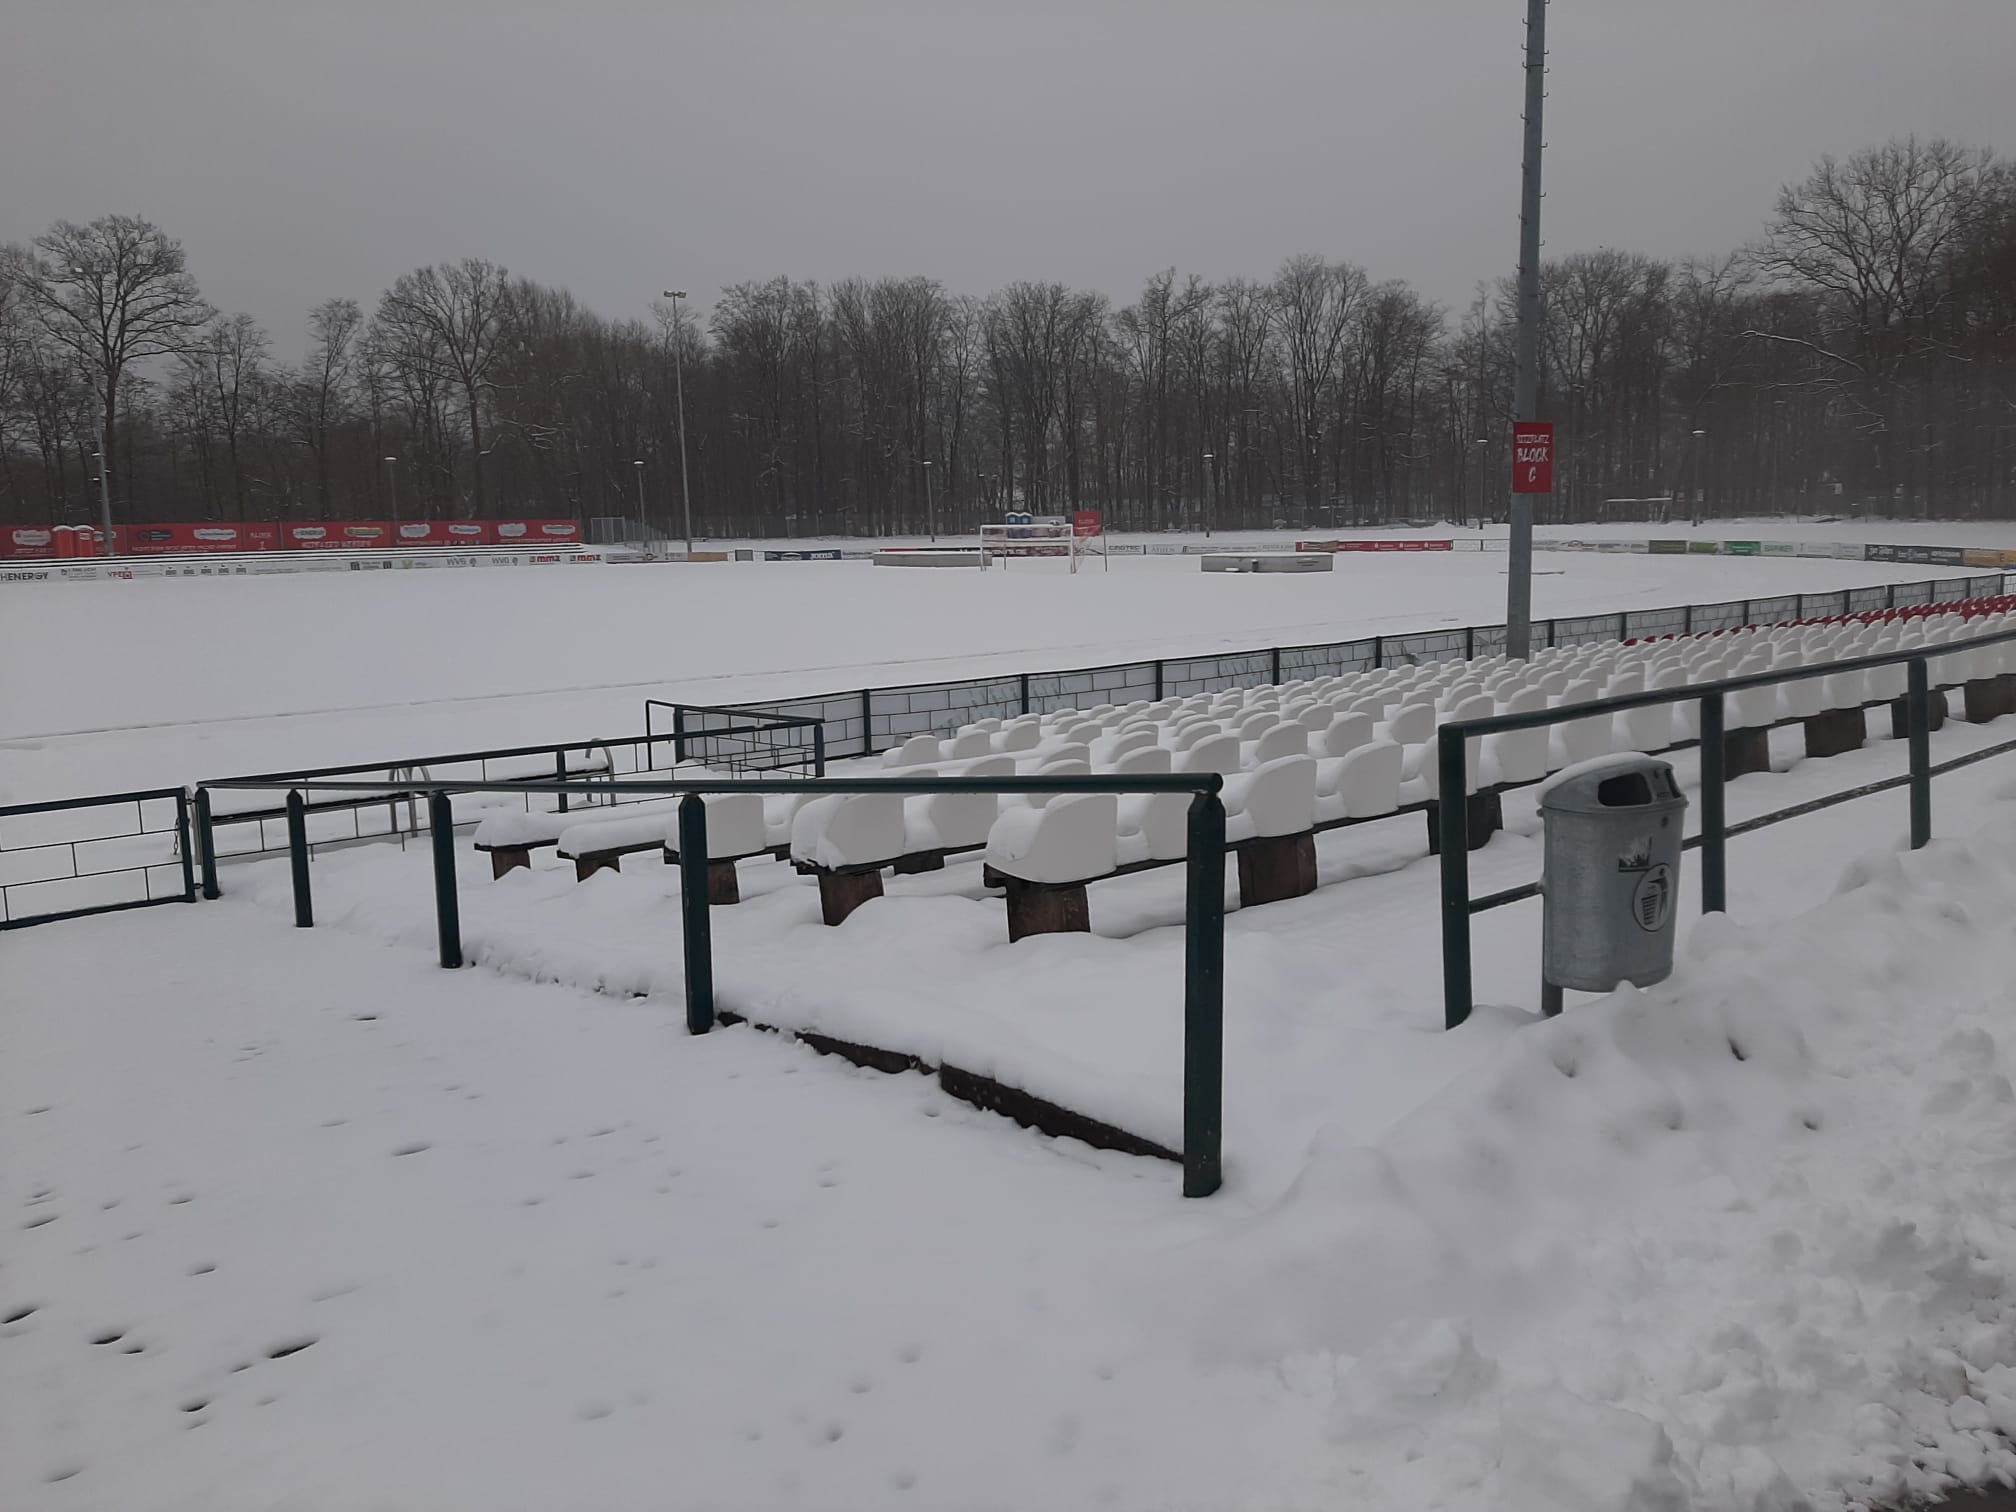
[(115, 685), (295, 1219)]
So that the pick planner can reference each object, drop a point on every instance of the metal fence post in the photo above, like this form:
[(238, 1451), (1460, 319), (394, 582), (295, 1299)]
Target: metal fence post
[(1158, 686), (447, 906), (698, 927), (1918, 731), (678, 734), (868, 717), (206, 845), (559, 775), (183, 847), (1453, 816), (1274, 662), (1553, 628), (297, 856), (1746, 613), (819, 749), (1714, 828), (1686, 619), (1378, 651), (1204, 998)]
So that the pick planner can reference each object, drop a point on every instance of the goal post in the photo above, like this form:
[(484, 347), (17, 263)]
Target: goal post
[(1071, 538), (1003, 543)]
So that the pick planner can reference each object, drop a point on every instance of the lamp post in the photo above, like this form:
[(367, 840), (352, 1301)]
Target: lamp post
[(104, 501), (392, 483), (1483, 479), (1526, 381), (643, 519), (1694, 476), (1207, 495), (679, 387), (930, 504)]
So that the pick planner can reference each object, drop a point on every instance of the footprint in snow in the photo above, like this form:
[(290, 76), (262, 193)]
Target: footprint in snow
[(17, 1314), (414, 1148), (41, 1219), (288, 1347)]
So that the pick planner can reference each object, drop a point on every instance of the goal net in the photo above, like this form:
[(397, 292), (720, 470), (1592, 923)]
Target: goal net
[(1035, 538)]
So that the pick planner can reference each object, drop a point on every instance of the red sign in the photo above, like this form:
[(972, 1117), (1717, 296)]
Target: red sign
[(1087, 522), (1532, 457), (536, 532), (445, 533)]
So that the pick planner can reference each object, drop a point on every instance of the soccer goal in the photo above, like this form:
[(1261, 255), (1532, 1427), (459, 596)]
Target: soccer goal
[(1063, 538)]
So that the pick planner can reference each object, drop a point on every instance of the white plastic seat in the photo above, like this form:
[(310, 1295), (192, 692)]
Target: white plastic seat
[(1580, 740), (969, 743), (1193, 734), (1018, 737), (1521, 755), (1152, 827), (1146, 759), (1073, 839), (1129, 740), (1427, 761), (1282, 740), (1343, 735), (1368, 781), (1059, 766), (1412, 724), (1217, 753), (1277, 799), (848, 829), (914, 751)]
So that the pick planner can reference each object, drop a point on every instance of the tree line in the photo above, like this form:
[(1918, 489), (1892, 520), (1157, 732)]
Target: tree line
[(1859, 356)]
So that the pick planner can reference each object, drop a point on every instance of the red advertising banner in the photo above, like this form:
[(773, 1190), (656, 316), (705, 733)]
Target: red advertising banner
[(537, 532), (337, 535), (27, 542), (186, 540), (1532, 457), (444, 533)]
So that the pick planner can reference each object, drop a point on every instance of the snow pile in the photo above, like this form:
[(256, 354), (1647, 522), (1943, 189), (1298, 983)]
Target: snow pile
[(1734, 1242)]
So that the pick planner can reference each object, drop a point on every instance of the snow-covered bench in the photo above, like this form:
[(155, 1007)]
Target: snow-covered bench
[(1044, 858), (510, 838)]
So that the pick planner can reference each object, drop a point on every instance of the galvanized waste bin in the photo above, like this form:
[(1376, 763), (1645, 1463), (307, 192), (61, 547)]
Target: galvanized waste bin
[(1610, 879)]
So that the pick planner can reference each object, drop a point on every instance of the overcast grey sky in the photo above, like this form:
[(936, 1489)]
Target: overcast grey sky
[(616, 147)]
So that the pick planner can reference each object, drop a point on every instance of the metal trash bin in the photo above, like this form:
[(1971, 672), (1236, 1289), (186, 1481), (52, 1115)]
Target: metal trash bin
[(1610, 879)]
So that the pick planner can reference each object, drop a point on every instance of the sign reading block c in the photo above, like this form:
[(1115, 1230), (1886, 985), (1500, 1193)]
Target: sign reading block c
[(1532, 457)]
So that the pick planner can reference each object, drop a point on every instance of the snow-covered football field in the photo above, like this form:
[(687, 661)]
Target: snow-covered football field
[(294, 1219)]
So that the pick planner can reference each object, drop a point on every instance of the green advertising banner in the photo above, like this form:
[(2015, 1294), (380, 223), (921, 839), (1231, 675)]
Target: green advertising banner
[(1742, 548)]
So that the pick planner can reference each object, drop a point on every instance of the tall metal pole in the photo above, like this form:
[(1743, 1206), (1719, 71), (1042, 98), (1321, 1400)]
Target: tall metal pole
[(930, 504), (643, 520), (105, 500), (392, 482), (679, 386), (1526, 390), (1207, 496)]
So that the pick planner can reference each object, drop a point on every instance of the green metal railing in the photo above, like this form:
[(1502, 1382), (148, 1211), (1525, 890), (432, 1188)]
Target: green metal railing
[(741, 739), (66, 866), (1203, 917), (1452, 773)]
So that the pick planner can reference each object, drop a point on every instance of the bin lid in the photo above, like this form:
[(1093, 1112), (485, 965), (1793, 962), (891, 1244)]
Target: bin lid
[(1609, 784)]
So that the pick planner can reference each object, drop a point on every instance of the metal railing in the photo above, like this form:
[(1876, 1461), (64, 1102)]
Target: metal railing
[(71, 876), (1452, 772), (740, 740), (867, 720), (1203, 913)]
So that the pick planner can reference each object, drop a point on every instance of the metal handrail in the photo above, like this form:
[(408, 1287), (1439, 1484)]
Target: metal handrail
[(1452, 774), (1203, 913)]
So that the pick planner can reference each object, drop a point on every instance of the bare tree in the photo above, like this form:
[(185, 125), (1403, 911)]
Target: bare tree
[(1315, 305), (452, 321), (229, 361), (319, 399), (113, 293)]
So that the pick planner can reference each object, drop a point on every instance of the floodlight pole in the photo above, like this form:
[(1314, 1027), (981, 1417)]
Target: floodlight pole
[(105, 500), (679, 387), (1526, 387), (930, 504)]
